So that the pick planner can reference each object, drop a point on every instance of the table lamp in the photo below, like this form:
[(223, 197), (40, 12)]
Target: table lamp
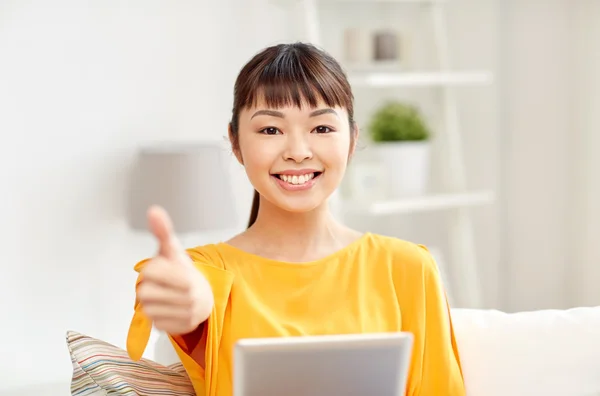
[(192, 183)]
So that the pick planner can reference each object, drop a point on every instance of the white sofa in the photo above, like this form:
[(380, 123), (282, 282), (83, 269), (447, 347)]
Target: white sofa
[(539, 353)]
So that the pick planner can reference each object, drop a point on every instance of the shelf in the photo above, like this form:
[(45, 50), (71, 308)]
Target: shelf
[(425, 203), (419, 79)]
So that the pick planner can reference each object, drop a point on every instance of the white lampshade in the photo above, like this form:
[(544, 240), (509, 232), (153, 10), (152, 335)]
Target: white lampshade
[(192, 183)]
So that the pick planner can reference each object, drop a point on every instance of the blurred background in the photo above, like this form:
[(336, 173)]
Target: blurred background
[(488, 103)]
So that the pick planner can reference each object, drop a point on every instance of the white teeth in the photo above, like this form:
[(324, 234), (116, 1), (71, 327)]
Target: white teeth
[(297, 180)]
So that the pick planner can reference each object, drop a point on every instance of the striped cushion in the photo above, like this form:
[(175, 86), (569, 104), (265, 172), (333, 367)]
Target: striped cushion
[(100, 368)]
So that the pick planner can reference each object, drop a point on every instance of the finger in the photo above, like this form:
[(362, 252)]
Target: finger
[(165, 312), (161, 226), (162, 272), (153, 293)]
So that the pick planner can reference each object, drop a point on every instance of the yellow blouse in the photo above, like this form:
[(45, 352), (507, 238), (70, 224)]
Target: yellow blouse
[(375, 284)]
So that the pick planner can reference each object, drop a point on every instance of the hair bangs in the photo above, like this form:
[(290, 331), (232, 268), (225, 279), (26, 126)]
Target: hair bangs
[(297, 77)]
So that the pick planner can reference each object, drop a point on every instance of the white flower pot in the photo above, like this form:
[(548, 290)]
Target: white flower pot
[(407, 166)]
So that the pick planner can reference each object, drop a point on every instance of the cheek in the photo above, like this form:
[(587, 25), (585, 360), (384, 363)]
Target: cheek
[(335, 155), (337, 162), (257, 157)]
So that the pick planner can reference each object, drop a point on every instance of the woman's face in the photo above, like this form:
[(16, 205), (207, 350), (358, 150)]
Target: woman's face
[(295, 157)]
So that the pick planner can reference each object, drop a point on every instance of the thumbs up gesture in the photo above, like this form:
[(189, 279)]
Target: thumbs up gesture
[(173, 293)]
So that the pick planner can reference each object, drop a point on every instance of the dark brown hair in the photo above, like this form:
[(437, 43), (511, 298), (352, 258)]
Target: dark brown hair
[(285, 75)]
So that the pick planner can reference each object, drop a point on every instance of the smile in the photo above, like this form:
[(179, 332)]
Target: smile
[(297, 181)]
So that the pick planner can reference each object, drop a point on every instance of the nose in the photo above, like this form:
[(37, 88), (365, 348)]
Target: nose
[(297, 148)]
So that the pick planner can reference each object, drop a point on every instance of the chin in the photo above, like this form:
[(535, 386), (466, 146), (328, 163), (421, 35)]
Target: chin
[(297, 202), (298, 205)]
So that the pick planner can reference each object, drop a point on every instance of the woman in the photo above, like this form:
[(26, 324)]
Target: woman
[(295, 270)]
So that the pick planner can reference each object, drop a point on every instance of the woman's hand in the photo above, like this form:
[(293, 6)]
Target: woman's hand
[(174, 294)]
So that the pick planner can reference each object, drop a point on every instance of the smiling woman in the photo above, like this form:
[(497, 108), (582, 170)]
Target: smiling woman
[(295, 271)]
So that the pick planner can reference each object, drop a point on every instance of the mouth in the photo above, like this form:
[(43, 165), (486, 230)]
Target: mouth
[(297, 181)]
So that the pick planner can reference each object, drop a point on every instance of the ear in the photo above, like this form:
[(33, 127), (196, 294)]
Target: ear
[(235, 144), (355, 132)]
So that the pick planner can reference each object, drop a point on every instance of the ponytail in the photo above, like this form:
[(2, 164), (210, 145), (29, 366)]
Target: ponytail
[(254, 210)]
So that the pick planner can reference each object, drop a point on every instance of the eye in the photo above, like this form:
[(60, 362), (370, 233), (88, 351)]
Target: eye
[(270, 131), (323, 129)]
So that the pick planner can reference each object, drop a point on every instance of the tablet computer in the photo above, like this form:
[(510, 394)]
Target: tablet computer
[(326, 365)]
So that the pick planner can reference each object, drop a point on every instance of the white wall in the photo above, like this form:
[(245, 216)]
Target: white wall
[(537, 154), (585, 133), (81, 85), (552, 191)]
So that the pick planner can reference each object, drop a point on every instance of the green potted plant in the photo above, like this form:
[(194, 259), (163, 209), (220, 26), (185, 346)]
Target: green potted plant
[(401, 138)]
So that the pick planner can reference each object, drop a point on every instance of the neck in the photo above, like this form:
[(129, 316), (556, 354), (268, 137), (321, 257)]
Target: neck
[(297, 233)]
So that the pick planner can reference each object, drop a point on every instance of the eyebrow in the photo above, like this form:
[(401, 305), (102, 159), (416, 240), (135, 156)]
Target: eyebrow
[(279, 114), (323, 111)]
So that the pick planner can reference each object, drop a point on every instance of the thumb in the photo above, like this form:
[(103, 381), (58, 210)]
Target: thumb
[(161, 227)]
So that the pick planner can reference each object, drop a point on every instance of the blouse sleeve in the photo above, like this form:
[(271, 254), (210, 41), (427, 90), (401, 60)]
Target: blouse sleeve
[(221, 282), (435, 367)]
